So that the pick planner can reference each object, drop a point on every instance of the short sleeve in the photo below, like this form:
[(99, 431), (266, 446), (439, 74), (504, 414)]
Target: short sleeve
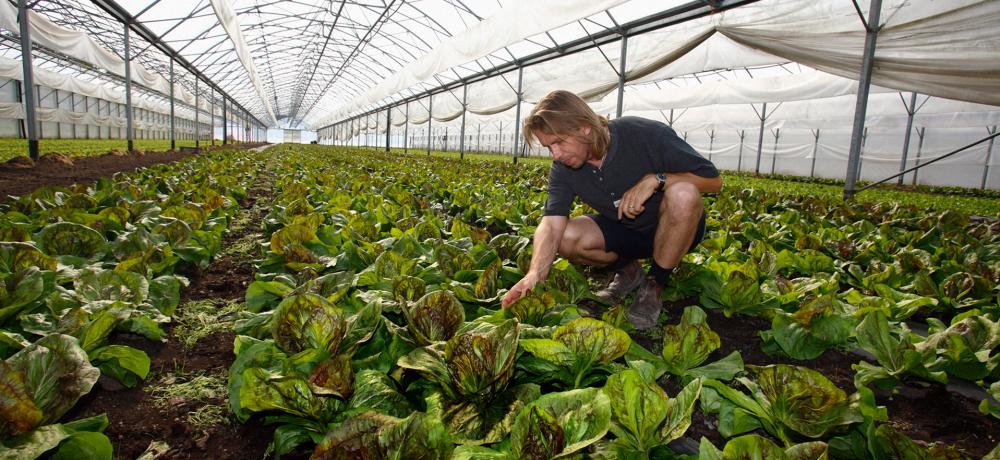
[(561, 195), (676, 155)]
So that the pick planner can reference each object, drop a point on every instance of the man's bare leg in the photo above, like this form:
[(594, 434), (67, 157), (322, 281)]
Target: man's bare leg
[(680, 213), (583, 243)]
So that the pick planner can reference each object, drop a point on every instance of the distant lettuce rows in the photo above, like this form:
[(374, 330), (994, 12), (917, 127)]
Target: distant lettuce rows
[(79, 264), (373, 328)]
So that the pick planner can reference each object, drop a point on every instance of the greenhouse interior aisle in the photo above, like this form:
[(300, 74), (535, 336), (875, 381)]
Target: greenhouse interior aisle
[(246, 229)]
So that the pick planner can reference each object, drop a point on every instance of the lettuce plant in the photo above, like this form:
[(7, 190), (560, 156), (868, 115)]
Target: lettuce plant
[(435, 317), (895, 353), (643, 416), (42, 382), (556, 425), (967, 347), (374, 435), (576, 349), (818, 324), (786, 401), (756, 446)]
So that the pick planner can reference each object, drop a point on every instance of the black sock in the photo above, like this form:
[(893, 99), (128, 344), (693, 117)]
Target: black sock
[(618, 264), (659, 274)]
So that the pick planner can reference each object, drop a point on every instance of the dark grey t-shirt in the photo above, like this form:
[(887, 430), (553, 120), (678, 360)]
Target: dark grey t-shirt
[(638, 147)]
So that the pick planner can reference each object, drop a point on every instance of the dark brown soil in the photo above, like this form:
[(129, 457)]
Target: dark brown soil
[(135, 421), (21, 180)]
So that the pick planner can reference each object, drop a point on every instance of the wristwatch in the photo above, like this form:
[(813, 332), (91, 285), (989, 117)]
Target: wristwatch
[(661, 182)]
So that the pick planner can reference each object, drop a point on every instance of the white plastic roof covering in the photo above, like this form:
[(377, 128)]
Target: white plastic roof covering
[(316, 62)]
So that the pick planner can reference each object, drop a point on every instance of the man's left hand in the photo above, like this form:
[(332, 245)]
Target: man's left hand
[(634, 200)]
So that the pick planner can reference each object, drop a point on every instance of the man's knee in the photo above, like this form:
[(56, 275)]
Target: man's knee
[(577, 237), (682, 198)]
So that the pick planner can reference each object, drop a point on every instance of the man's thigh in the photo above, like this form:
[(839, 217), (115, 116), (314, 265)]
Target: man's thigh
[(584, 234)]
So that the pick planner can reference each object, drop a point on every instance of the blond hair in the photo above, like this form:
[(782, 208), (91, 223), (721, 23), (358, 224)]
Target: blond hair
[(562, 113)]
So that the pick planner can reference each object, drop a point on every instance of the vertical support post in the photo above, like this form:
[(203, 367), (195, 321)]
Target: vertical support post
[(445, 140), (406, 130), (861, 107), (739, 162), (173, 137), (479, 137), (812, 170), (430, 119), (920, 147), (517, 116), (621, 75), (910, 112), (774, 154), (989, 156), (461, 142), (225, 123), (128, 88), (197, 118), (388, 129), (500, 140), (212, 93), (760, 137), (711, 143), (28, 79)]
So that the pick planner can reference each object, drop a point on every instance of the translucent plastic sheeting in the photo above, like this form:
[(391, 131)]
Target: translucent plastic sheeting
[(13, 70), (948, 49), (79, 45), (228, 20), (516, 21)]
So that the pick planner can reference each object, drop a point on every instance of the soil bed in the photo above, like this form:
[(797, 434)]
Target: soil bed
[(136, 420)]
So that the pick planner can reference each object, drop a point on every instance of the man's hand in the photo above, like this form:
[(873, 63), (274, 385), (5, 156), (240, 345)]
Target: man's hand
[(634, 200), (520, 289)]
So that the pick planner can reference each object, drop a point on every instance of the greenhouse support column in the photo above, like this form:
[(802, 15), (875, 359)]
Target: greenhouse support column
[(621, 76), (739, 161), (225, 128), (197, 119), (406, 130), (128, 88), (861, 107), (28, 80), (920, 148), (774, 155), (910, 112), (760, 137), (711, 143), (989, 156), (517, 117), (479, 137), (430, 119), (500, 140), (812, 170), (461, 142), (388, 129), (173, 138)]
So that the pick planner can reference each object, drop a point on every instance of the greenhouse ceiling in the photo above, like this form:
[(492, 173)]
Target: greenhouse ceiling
[(291, 63)]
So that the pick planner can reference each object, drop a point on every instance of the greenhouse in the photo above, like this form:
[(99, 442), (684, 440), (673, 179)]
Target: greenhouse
[(237, 229)]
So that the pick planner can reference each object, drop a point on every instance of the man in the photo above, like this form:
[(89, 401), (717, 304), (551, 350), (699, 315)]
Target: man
[(645, 184)]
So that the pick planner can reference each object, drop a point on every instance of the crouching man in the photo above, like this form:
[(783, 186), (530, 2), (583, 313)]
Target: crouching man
[(643, 180)]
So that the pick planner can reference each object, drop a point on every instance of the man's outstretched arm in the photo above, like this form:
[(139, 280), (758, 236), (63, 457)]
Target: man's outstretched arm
[(546, 241)]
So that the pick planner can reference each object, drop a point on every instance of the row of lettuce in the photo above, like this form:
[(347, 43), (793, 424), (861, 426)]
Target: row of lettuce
[(373, 328), (82, 263)]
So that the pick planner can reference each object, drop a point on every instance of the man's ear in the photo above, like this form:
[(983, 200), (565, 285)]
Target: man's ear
[(584, 130)]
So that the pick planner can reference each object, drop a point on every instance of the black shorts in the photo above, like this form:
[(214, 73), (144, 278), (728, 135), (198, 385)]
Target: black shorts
[(635, 244)]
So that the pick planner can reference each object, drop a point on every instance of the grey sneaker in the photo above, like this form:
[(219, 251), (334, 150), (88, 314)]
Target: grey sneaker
[(626, 280), (645, 309)]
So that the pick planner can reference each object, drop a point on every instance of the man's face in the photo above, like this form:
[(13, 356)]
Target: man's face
[(566, 149)]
